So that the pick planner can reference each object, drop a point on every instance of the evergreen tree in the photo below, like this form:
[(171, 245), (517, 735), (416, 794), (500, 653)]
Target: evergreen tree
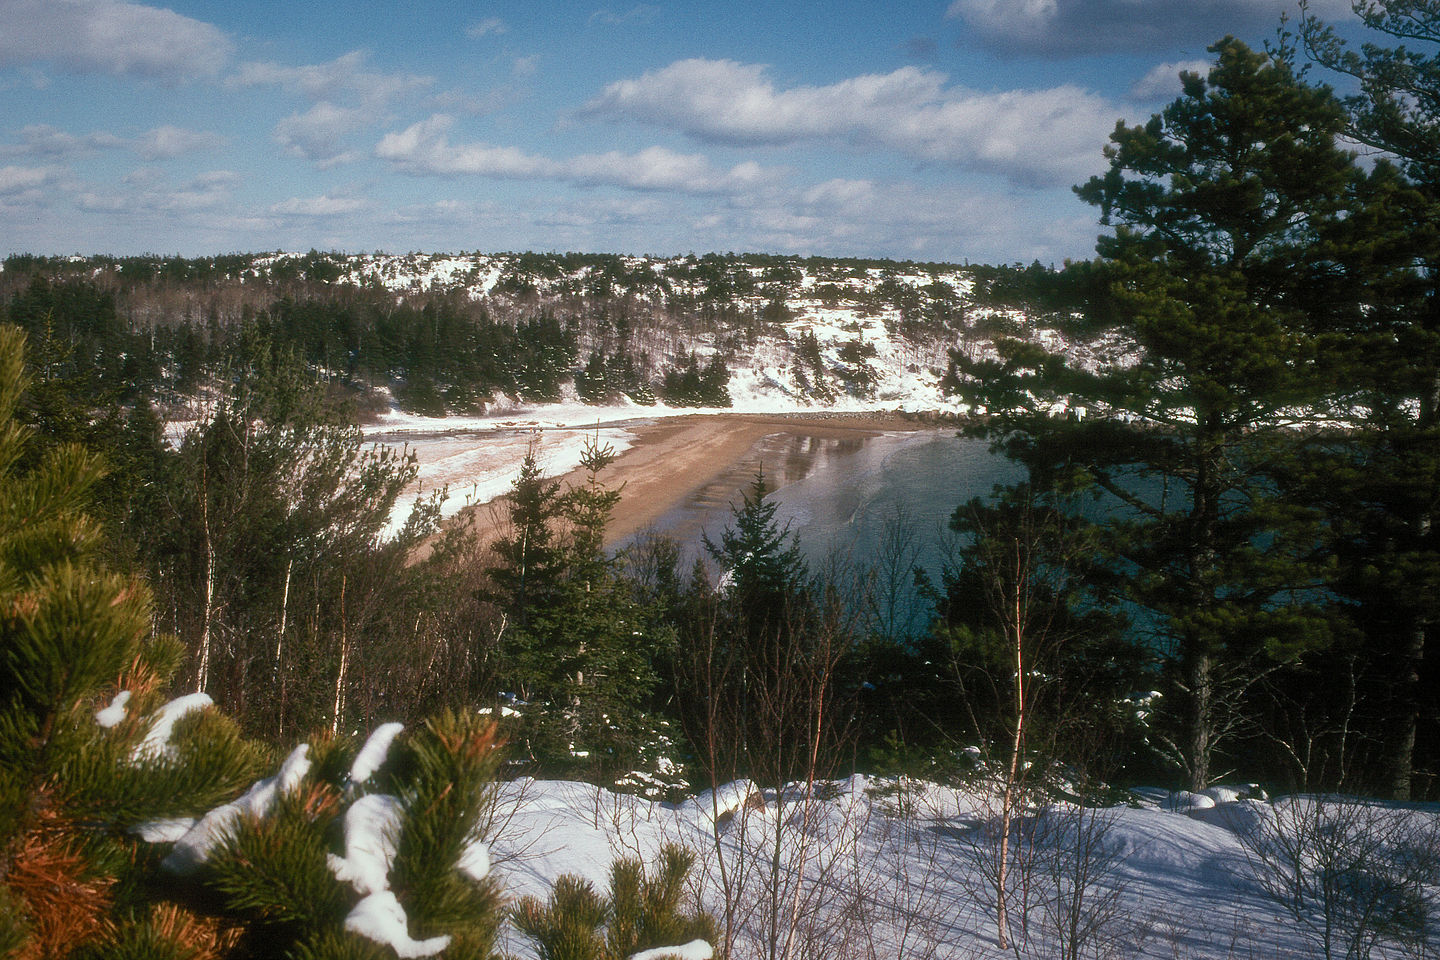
[(641, 914), (1219, 205), (529, 552), (760, 656), (1383, 490), (75, 786), (579, 645), (761, 559), (691, 385)]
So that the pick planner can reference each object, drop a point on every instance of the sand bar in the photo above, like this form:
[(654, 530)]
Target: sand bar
[(672, 458)]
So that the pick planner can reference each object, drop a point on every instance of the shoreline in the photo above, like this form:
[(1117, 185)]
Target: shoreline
[(672, 458)]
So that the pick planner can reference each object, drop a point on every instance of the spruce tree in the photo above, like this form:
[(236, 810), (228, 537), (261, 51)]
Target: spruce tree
[(580, 646), (761, 655)]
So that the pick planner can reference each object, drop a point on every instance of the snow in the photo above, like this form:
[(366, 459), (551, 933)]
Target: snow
[(476, 459), (156, 742), (896, 849), (194, 848), (474, 860), (372, 829), (694, 950), (894, 866), (1183, 801), (115, 712), (167, 830), (381, 918), (373, 754), (713, 807)]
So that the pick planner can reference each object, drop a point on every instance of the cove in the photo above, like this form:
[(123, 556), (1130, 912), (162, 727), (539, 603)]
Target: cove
[(843, 496)]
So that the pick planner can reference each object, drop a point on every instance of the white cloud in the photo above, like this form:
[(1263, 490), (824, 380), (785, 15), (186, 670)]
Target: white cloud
[(1030, 136), (319, 133), (110, 36), (327, 205), (159, 143), (15, 179), (151, 193), (216, 179), (43, 140), (167, 141), (490, 26), (525, 66), (1163, 81), (424, 148), (839, 193), (462, 101), (206, 191), (346, 77), (860, 217), (1070, 27)]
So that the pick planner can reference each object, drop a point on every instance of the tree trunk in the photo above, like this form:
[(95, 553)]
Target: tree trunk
[(1007, 803), (1201, 680), (344, 663), (202, 674), (1400, 755), (1196, 653), (278, 675)]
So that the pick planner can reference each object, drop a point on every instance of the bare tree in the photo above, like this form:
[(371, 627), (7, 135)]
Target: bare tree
[(1353, 874)]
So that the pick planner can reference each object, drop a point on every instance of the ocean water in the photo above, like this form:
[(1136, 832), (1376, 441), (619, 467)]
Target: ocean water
[(880, 504), (854, 495)]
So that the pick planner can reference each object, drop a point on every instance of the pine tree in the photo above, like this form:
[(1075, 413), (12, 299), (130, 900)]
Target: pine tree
[(643, 913), (1219, 206), (1383, 491), (76, 786)]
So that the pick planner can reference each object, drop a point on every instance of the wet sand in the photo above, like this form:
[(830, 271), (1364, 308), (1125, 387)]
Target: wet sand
[(677, 458)]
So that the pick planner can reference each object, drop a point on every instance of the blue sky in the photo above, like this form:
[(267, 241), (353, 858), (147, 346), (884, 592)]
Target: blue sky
[(949, 130)]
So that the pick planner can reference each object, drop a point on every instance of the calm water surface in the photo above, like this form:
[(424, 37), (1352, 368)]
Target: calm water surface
[(842, 495)]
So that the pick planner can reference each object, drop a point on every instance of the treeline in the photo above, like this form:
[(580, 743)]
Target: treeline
[(440, 356)]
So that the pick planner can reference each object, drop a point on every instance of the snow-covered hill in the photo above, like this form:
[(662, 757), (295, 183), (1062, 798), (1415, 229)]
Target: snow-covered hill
[(796, 333)]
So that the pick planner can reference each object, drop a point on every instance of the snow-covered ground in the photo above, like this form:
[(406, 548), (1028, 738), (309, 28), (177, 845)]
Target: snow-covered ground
[(476, 459), (864, 868), (887, 869)]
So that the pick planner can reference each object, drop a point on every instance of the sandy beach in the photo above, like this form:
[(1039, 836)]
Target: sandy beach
[(671, 459)]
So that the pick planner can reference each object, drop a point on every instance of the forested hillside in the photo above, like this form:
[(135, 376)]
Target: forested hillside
[(458, 333)]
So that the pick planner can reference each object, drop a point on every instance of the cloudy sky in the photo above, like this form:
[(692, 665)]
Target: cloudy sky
[(947, 130)]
